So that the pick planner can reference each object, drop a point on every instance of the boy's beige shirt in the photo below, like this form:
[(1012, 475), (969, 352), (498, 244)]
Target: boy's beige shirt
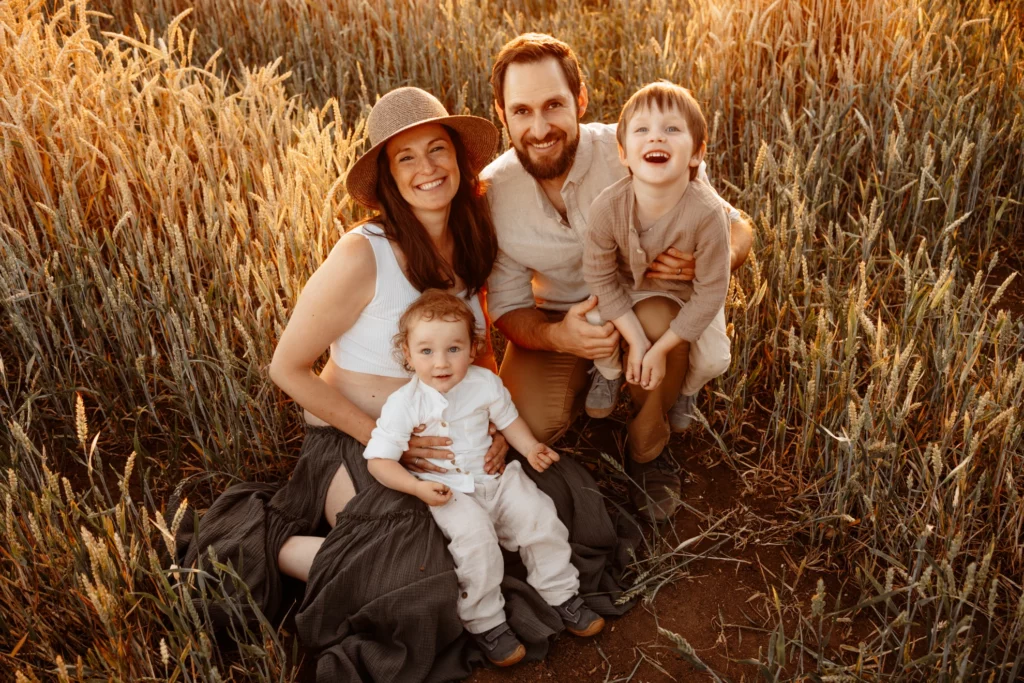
[(619, 251), (540, 255)]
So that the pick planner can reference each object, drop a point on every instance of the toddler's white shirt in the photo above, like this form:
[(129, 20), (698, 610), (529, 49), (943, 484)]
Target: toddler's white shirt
[(463, 415)]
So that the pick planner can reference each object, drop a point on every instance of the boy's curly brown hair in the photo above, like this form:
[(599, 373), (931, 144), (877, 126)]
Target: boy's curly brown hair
[(435, 303)]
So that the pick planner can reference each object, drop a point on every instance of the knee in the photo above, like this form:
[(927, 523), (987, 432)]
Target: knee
[(714, 365), (478, 542), (550, 428), (546, 421), (655, 314)]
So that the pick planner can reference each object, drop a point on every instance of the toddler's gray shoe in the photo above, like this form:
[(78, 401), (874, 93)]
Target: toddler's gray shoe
[(579, 619), (602, 395), (680, 416), (500, 645)]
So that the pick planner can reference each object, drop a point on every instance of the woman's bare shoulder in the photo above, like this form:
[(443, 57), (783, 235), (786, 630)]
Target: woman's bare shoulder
[(350, 262)]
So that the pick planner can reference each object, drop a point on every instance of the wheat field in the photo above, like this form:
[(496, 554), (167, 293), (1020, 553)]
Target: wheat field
[(171, 172)]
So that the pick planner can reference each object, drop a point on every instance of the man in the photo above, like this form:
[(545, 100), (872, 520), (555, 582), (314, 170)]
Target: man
[(540, 194)]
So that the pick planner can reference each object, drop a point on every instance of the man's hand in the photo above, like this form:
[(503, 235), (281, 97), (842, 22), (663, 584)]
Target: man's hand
[(576, 336), (541, 457), (432, 493), (653, 368), (423, 447), (672, 264), (494, 459)]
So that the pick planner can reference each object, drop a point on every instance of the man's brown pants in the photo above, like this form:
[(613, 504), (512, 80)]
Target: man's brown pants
[(549, 388)]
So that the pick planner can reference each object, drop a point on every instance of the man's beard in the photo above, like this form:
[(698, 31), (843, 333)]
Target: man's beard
[(553, 168)]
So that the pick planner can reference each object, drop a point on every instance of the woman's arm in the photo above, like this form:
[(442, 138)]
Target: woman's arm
[(330, 303)]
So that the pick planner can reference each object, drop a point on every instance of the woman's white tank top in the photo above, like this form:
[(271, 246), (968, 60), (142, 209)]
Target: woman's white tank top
[(366, 346)]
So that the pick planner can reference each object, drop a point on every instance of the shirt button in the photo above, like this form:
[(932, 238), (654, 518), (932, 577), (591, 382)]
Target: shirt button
[(640, 251), (443, 423), (458, 470), (465, 595)]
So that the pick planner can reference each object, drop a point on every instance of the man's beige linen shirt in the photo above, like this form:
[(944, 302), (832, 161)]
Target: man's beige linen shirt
[(619, 251), (540, 255)]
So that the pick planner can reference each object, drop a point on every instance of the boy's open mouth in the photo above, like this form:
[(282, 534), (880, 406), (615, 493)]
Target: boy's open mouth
[(656, 157)]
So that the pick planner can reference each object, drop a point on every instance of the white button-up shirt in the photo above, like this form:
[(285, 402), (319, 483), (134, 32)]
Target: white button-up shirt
[(463, 415)]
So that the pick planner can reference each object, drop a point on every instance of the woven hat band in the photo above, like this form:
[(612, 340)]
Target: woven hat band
[(402, 108)]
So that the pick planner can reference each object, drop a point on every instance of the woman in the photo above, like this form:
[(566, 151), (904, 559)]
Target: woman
[(380, 596)]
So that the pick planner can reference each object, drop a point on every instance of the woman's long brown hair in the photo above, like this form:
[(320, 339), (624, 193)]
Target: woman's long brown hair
[(475, 244)]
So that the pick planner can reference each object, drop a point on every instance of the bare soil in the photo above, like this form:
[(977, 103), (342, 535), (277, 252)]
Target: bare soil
[(723, 603)]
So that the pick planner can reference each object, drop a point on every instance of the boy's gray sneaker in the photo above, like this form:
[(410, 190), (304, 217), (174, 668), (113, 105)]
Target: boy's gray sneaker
[(500, 645), (602, 395), (680, 416), (579, 619)]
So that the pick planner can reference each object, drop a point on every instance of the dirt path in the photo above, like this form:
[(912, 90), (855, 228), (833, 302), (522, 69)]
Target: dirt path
[(716, 602)]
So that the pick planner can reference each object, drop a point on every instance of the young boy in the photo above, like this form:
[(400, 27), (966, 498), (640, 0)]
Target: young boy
[(476, 511), (661, 203)]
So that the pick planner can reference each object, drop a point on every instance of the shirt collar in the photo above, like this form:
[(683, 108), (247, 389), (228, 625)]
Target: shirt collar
[(434, 395), (584, 155)]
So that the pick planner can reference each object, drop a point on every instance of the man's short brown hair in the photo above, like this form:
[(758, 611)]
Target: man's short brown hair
[(534, 47), (665, 95), (435, 304)]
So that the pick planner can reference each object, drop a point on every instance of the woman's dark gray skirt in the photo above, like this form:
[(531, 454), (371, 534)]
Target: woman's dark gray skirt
[(380, 602)]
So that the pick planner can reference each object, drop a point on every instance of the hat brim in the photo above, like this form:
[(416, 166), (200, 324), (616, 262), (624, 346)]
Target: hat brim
[(478, 135)]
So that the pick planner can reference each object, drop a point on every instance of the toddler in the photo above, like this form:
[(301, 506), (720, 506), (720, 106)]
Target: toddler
[(662, 203), (476, 511)]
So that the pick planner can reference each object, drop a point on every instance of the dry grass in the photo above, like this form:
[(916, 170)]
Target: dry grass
[(158, 217)]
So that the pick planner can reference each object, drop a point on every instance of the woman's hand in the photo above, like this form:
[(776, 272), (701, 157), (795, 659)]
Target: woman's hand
[(494, 460), (541, 456), (423, 447), (432, 493)]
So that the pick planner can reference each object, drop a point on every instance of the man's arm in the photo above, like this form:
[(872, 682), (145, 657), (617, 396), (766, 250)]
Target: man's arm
[(530, 328), (510, 304)]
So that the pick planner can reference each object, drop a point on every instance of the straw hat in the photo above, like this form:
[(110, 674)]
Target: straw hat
[(405, 108)]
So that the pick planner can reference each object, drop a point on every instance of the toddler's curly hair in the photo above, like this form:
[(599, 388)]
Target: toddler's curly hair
[(435, 303)]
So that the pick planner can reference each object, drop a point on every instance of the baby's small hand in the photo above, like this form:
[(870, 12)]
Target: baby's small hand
[(541, 457), (653, 369), (433, 493)]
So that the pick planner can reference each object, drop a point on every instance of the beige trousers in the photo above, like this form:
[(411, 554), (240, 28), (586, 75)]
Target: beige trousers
[(549, 388), (512, 512), (710, 355)]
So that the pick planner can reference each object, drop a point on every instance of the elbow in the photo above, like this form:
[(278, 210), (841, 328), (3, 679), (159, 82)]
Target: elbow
[(502, 323), (373, 467), (275, 371), (282, 373)]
